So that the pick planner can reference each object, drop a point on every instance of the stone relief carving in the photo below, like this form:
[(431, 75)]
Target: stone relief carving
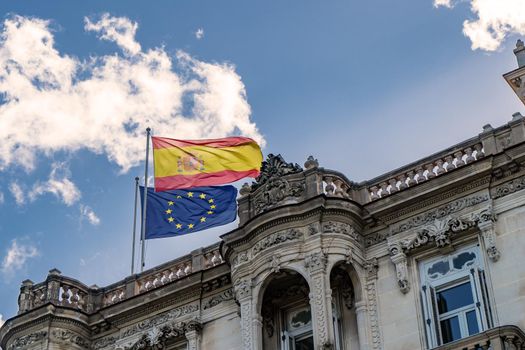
[(318, 299), (156, 337), (65, 336), (219, 298), (104, 342), (440, 231), (341, 227), (276, 191), (508, 188), (371, 267), (160, 319), (27, 340), (242, 289), (275, 166), (315, 262), (275, 263), (489, 237), (276, 238), (239, 259), (438, 213)]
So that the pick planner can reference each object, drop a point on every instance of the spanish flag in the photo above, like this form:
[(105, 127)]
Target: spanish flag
[(184, 164)]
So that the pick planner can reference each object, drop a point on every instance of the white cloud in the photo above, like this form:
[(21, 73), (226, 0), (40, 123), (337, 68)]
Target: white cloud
[(17, 192), (87, 213), (2, 198), (58, 184), (55, 102), (199, 34), (16, 256), (2, 321), (495, 20)]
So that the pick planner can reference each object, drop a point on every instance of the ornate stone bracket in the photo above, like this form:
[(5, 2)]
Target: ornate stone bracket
[(371, 267), (400, 261), (489, 237)]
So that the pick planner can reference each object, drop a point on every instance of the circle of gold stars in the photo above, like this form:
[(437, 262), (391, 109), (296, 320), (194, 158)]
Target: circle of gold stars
[(172, 220)]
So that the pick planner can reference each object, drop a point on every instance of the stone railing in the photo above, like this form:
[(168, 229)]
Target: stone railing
[(500, 338), (426, 169), (64, 291)]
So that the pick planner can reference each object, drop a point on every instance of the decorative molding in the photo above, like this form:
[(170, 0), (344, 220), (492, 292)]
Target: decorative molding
[(438, 213), (440, 231), (316, 262), (275, 239), (509, 187), (161, 319), (219, 298), (318, 301), (27, 340), (156, 337), (104, 342), (67, 337), (489, 237), (239, 259)]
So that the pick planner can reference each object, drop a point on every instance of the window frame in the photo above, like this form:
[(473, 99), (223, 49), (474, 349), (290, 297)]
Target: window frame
[(473, 273)]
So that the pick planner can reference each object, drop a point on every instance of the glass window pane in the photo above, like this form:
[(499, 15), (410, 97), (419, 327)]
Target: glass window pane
[(305, 344), (438, 268), (472, 322), (455, 297), (450, 329)]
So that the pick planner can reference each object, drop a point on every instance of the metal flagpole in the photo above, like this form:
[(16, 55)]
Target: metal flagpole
[(143, 228), (134, 226)]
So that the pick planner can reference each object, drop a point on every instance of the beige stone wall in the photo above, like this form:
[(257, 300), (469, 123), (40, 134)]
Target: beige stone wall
[(508, 273), (397, 311), (222, 333)]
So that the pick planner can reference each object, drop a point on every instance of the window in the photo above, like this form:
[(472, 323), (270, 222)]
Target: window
[(297, 334), (454, 296)]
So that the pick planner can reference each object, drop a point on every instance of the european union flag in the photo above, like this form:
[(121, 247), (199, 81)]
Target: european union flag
[(178, 212)]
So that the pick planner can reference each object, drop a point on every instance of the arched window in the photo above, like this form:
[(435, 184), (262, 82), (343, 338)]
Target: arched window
[(287, 318)]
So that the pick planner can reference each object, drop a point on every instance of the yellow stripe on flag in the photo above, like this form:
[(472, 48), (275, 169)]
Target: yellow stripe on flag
[(202, 159)]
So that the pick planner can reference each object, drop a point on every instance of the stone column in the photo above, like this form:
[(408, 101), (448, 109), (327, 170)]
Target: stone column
[(243, 294), (320, 301), (193, 335), (361, 311), (371, 267), (25, 302)]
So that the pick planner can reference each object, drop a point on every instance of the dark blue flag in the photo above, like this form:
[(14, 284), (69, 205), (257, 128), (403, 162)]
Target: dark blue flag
[(178, 212)]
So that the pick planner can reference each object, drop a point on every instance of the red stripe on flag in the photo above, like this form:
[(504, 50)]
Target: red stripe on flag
[(164, 142), (203, 179)]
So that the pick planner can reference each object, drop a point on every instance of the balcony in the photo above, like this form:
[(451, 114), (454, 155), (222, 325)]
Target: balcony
[(499, 338)]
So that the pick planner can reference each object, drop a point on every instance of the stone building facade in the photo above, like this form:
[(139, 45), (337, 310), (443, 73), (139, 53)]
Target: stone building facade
[(430, 255)]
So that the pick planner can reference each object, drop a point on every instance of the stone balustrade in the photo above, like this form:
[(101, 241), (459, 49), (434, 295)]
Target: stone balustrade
[(63, 291), (336, 185), (426, 169), (499, 338)]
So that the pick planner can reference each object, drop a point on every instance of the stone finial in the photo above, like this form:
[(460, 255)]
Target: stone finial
[(519, 51), (516, 116), (27, 283), (311, 162), (245, 189), (55, 272), (487, 128)]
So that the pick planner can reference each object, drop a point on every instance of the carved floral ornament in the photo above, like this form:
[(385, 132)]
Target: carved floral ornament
[(27, 340), (440, 233)]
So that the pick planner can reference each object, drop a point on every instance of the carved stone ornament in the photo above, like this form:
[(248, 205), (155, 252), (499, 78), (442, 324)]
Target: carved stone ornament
[(67, 337), (441, 212), (440, 231), (315, 262), (341, 227), (508, 187), (243, 289), (27, 340), (276, 190), (219, 298), (160, 320), (274, 166), (489, 237), (311, 163), (275, 263), (239, 260), (156, 338), (400, 261), (276, 238)]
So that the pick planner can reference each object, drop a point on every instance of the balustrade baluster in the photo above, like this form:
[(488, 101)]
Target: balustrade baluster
[(411, 178), (393, 185), (384, 187), (470, 158), (450, 163), (373, 193), (440, 170), (430, 171), (402, 181), (479, 151), (420, 176), (459, 159), (329, 188)]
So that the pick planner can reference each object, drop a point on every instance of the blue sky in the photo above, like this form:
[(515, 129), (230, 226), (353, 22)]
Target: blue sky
[(363, 86)]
